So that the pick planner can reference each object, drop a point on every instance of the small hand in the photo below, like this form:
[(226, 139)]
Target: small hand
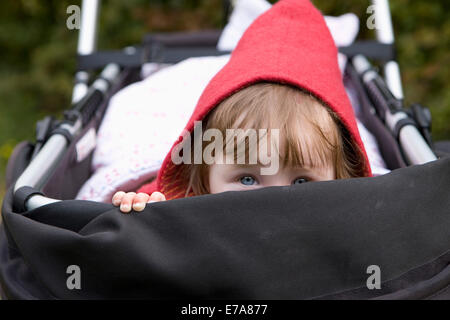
[(131, 200)]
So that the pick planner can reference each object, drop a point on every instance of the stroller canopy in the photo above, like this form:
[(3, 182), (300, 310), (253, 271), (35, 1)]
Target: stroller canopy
[(315, 240)]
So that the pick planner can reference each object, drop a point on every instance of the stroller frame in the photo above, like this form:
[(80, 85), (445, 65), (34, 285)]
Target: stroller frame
[(27, 194)]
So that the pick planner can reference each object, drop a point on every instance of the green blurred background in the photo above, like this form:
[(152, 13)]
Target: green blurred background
[(38, 52)]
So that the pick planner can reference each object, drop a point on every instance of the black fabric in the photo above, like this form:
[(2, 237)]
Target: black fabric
[(307, 241), (100, 59), (370, 49), (204, 38), (442, 147)]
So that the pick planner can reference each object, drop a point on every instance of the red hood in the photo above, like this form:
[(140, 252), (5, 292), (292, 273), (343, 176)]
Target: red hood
[(290, 43)]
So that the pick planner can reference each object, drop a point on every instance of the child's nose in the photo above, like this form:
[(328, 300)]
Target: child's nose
[(278, 183)]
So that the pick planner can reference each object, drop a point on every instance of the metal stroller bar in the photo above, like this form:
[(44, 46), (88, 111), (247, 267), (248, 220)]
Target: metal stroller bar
[(87, 41), (390, 109), (40, 168), (385, 34)]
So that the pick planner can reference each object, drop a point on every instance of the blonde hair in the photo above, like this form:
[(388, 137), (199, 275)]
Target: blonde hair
[(311, 132)]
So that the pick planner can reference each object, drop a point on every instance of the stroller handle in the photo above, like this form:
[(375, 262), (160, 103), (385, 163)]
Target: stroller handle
[(27, 186), (390, 110), (39, 169)]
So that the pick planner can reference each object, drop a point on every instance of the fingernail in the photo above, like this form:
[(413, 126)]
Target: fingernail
[(116, 203), (139, 206), (125, 207)]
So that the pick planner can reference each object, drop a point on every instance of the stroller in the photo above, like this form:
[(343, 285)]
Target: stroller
[(370, 238)]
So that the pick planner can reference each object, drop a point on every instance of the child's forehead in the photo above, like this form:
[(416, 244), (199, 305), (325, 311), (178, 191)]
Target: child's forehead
[(284, 120), (284, 167), (298, 148), (295, 159)]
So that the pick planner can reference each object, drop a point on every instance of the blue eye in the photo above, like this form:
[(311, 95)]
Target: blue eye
[(300, 180), (247, 180)]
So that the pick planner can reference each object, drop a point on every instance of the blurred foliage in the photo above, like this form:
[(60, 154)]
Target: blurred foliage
[(38, 52)]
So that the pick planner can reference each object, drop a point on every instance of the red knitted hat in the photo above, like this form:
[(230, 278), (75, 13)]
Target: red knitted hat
[(289, 44)]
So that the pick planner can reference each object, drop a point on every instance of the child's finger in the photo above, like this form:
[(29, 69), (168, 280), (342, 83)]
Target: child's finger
[(117, 198), (139, 201), (127, 201), (157, 196)]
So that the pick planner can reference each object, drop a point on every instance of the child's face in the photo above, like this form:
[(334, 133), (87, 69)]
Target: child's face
[(234, 177)]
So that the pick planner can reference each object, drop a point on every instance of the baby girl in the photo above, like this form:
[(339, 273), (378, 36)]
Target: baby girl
[(283, 77)]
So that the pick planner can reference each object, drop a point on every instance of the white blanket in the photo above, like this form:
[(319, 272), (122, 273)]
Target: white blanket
[(144, 119)]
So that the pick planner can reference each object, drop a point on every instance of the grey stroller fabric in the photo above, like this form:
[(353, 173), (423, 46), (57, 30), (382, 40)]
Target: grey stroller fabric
[(311, 241)]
